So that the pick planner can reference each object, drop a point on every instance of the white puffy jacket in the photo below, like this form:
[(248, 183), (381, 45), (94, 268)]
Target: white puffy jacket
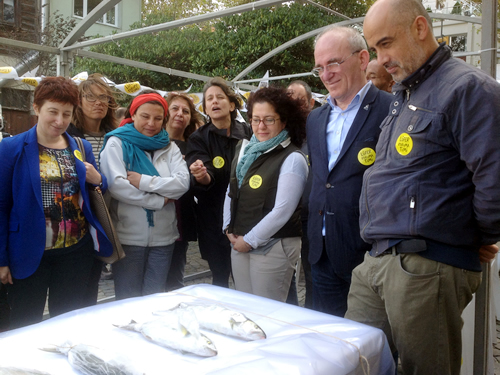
[(128, 203)]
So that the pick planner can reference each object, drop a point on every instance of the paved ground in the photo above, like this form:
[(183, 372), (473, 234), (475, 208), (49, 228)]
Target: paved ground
[(195, 273)]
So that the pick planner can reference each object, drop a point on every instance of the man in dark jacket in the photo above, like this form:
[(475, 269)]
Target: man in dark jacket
[(431, 202), (341, 137)]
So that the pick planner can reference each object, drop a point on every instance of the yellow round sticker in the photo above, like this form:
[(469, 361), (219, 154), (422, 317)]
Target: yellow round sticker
[(255, 181), (366, 156), (218, 162), (404, 144), (78, 155)]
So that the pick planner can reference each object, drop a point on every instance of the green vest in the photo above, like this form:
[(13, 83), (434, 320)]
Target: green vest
[(257, 194)]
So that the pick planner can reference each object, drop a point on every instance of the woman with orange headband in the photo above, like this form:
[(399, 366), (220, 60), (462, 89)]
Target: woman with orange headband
[(146, 172)]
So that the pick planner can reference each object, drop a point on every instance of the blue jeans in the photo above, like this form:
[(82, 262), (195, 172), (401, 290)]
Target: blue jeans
[(330, 288), (175, 278), (143, 271)]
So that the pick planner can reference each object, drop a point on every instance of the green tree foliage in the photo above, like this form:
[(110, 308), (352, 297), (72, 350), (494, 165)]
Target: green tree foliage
[(222, 47)]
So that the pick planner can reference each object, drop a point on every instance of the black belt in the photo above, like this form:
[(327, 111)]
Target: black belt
[(406, 247)]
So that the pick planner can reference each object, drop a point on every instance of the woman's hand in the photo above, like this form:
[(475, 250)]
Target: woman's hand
[(199, 172), (232, 237), (241, 246), (92, 176), (134, 178), (5, 276)]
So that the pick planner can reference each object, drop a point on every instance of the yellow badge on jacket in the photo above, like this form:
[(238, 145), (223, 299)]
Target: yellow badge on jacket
[(366, 156), (255, 181), (404, 144), (78, 155), (218, 162)]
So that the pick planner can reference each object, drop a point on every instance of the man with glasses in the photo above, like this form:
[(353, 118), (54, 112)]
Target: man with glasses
[(341, 137)]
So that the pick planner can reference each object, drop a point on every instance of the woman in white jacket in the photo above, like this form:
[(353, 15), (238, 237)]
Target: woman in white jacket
[(145, 173)]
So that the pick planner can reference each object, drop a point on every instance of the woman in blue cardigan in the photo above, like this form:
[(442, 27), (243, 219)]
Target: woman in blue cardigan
[(47, 231)]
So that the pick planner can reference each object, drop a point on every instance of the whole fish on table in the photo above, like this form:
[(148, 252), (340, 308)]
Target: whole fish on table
[(174, 331), (90, 360), (223, 320)]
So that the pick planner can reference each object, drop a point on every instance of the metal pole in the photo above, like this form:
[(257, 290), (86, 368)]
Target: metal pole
[(481, 324), (482, 310)]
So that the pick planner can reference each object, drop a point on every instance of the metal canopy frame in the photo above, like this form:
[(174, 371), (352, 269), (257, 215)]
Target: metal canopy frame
[(70, 47)]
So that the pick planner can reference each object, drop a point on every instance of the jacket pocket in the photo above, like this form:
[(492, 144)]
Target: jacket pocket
[(410, 138)]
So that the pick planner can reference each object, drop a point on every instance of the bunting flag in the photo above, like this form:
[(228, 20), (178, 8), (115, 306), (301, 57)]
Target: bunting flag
[(83, 76), (32, 81), (264, 82), (8, 72), (135, 88)]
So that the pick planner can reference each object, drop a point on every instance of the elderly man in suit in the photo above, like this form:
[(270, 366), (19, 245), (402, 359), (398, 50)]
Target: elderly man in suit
[(341, 137)]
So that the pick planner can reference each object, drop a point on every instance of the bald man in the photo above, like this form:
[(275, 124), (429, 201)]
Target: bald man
[(430, 204), (379, 76)]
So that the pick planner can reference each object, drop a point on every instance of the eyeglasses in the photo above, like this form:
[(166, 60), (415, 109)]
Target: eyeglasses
[(266, 121), (330, 67), (102, 98)]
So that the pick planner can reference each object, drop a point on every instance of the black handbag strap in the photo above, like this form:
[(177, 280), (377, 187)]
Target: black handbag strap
[(80, 146)]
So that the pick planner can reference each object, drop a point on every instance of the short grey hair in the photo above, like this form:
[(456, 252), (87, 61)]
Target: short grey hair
[(353, 36)]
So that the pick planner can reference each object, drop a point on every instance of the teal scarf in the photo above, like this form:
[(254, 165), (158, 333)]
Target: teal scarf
[(253, 150), (134, 144)]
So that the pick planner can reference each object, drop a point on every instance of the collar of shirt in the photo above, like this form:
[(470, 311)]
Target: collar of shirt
[(339, 124)]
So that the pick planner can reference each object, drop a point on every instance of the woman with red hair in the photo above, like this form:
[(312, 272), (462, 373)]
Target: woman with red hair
[(46, 223), (145, 172)]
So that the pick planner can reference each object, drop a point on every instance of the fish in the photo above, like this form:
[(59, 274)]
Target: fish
[(20, 371), (223, 320), (90, 360), (174, 331)]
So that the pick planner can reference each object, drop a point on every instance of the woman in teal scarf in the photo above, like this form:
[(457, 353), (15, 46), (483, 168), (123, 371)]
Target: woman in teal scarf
[(262, 208), (146, 173)]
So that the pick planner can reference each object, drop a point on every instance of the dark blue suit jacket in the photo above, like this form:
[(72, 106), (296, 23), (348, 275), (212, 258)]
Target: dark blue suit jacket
[(335, 194), (22, 221)]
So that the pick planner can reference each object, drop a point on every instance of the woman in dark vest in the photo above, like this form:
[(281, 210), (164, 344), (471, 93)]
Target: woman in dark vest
[(262, 208), (210, 151)]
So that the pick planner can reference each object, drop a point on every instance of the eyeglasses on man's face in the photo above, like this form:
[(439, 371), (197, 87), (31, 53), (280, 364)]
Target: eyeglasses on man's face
[(93, 98), (268, 121), (330, 67)]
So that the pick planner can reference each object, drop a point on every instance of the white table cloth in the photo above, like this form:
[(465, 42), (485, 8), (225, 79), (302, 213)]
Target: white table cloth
[(299, 340)]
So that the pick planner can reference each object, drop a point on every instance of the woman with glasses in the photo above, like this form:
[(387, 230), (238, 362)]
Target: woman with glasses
[(47, 230), (210, 152), (262, 208), (93, 118)]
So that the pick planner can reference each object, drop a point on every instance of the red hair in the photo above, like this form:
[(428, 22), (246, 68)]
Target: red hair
[(56, 89)]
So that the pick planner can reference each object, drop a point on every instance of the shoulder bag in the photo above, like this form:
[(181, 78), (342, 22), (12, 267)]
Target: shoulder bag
[(100, 211)]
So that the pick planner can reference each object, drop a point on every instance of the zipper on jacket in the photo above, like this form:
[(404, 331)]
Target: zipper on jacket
[(407, 95), (412, 202), (414, 108)]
